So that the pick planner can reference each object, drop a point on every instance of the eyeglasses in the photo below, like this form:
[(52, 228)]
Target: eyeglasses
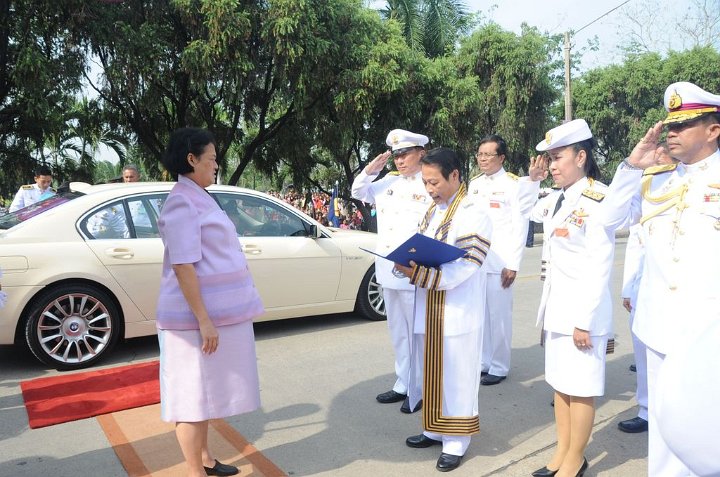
[(480, 155)]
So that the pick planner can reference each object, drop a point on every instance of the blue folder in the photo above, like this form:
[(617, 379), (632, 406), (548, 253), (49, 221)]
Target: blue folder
[(424, 251)]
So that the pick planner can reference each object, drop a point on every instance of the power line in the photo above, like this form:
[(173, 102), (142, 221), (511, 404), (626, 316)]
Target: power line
[(604, 14)]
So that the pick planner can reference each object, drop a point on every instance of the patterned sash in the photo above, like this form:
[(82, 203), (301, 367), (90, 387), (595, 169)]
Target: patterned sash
[(432, 411)]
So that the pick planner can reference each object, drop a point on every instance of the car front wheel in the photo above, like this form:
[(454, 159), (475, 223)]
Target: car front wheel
[(72, 326), (370, 301)]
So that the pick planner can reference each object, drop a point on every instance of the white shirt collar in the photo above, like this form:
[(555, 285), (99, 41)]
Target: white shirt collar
[(700, 166)]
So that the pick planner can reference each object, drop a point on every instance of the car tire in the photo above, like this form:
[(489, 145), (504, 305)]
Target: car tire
[(370, 302), (72, 326)]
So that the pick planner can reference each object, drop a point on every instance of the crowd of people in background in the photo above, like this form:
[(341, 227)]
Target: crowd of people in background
[(317, 206)]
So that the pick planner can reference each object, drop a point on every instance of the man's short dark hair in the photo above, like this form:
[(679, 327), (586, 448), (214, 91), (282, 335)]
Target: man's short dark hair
[(42, 170), (501, 144), (182, 142), (446, 159)]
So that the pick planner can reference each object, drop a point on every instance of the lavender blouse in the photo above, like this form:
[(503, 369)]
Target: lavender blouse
[(194, 229)]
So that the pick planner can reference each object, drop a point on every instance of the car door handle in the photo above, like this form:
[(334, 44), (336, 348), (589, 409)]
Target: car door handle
[(252, 249), (125, 253)]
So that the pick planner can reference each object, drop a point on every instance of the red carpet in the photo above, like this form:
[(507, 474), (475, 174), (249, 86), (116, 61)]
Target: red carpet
[(69, 397)]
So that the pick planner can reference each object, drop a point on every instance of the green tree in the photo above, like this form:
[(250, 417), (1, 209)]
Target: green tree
[(620, 102), (505, 84), (430, 26), (40, 70)]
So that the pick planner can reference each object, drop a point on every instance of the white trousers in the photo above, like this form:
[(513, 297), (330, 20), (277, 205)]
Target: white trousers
[(399, 305), (461, 383), (662, 462), (497, 332), (641, 387)]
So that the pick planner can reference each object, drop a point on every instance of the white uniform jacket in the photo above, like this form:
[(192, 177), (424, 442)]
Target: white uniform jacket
[(400, 203), (28, 195), (579, 255), (506, 200), (464, 279), (680, 209)]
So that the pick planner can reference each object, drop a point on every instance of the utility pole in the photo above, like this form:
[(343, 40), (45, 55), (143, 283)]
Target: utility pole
[(568, 93)]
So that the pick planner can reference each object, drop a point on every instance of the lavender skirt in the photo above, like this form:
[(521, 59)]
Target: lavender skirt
[(196, 387)]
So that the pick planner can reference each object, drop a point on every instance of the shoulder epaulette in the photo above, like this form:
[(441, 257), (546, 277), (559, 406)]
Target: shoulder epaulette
[(393, 173), (479, 175), (594, 195), (27, 187), (512, 176), (651, 171)]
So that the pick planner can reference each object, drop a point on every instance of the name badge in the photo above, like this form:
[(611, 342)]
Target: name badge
[(562, 232), (494, 205)]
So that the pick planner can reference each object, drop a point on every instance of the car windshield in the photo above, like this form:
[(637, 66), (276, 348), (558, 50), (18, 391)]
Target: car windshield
[(11, 219)]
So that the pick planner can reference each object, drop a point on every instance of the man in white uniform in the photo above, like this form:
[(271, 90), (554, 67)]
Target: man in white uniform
[(632, 273), (678, 206), (400, 200), (31, 193), (449, 312), (507, 200)]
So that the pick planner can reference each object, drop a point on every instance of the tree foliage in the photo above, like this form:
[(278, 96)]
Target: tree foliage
[(40, 69), (620, 102)]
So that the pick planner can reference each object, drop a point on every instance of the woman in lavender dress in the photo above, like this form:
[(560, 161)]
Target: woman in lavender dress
[(207, 302)]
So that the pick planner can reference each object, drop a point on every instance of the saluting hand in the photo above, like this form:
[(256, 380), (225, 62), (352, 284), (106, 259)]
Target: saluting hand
[(646, 152), (538, 169), (377, 164)]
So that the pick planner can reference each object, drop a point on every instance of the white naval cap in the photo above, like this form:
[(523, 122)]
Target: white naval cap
[(401, 139), (686, 101), (568, 133)]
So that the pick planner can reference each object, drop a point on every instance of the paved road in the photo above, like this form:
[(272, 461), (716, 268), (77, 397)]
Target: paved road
[(319, 377)]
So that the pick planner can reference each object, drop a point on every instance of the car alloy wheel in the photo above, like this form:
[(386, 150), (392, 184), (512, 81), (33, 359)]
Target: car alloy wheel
[(370, 301), (72, 327)]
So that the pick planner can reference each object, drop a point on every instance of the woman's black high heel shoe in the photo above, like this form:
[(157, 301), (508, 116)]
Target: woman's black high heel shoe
[(583, 468), (544, 472)]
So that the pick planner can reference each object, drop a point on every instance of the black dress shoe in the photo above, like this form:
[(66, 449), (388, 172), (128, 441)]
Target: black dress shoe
[(583, 468), (633, 368), (545, 472), (421, 441), (491, 379), (221, 469), (634, 425), (390, 397), (406, 406), (483, 373), (448, 462)]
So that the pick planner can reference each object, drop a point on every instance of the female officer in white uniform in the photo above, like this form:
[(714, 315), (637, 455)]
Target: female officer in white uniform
[(575, 308)]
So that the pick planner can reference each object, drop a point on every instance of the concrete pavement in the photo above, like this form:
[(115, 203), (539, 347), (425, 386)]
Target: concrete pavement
[(319, 377)]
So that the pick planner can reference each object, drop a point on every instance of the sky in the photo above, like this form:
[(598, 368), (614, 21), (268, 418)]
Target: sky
[(559, 16)]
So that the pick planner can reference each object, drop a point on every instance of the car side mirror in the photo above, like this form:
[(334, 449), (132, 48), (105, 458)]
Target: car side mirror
[(314, 231)]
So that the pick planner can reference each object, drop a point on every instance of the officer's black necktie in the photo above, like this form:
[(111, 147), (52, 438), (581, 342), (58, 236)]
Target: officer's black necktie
[(558, 203)]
